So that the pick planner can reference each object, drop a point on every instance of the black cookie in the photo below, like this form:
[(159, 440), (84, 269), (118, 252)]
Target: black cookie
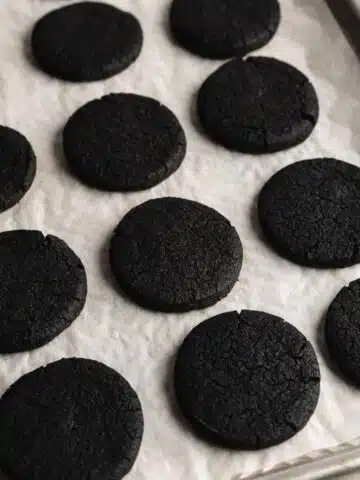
[(86, 41), (75, 419), (342, 331), (224, 28), (18, 167), (42, 289), (258, 105), (174, 255), (247, 380), (124, 142), (310, 213)]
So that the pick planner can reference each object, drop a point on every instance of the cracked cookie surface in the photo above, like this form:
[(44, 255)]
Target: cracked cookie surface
[(310, 213), (123, 142), (86, 41), (342, 331), (258, 105), (174, 254), (224, 28), (18, 167), (74, 419), (42, 289), (247, 380)]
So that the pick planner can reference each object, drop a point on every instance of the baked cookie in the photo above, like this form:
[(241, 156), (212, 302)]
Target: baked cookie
[(247, 380), (310, 213), (74, 419), (18, 167), (258, 105), (123, 142), (174, 255), (42, 289), (86, 41), (224, 28)]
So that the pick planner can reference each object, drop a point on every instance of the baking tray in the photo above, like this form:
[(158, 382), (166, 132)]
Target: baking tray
[(347, 13), (342, 462)]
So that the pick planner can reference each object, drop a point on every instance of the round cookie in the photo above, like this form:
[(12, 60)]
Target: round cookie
[(342, 331), (124, 142), (175, 255), (310, 213), (86, 41), (18, 167), (71, 420), (224, 28), (247, 380), (42, 289), (258, 105)]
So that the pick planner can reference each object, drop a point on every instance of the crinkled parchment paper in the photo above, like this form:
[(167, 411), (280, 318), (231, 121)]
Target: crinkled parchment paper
[(140, 344)]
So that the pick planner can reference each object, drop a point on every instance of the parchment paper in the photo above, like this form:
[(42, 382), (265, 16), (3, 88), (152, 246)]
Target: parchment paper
[(140, 344)]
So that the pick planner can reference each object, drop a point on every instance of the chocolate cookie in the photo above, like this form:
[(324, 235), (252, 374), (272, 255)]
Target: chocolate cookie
[(124, 142), (247, 380), (224, 28), (342, 331), (42, 289), (86, 41), (173, 254), (310, 212), (18, 167), (74, 419), (258, 105)]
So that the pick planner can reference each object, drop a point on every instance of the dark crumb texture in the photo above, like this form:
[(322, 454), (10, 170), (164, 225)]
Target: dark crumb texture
[(175, 255), (75, 419), (258, 105), (124, 142), (310, 213), (224, 28), (247, 380), (42, 289), (18, 167), (86, 41), (342, 331)]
